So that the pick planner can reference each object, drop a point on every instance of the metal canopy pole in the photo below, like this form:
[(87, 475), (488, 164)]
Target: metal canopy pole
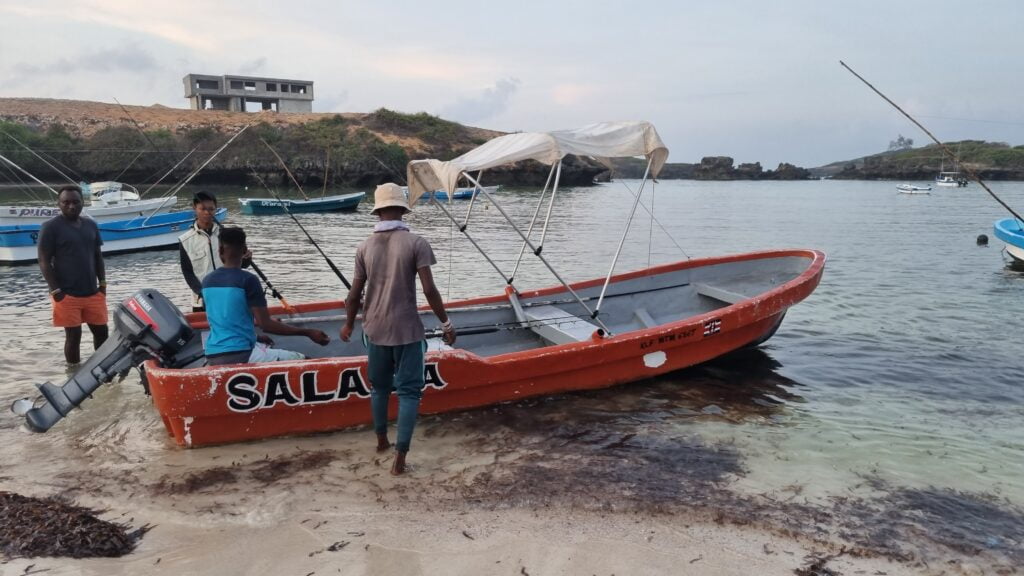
[(551, 204), (554, 272), (462, 228), (533, 221), (622, 240)]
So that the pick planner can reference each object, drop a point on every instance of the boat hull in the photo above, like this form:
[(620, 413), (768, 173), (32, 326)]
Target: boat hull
[(18, 244), (269, 206), (22, 215), (1011, 232), (213, 405)]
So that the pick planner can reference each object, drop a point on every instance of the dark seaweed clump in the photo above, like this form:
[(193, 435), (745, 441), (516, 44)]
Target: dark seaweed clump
[(266, 471), (31, 527)]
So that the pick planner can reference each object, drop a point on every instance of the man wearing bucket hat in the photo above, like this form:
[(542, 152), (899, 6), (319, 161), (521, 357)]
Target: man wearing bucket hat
[(387, 264)]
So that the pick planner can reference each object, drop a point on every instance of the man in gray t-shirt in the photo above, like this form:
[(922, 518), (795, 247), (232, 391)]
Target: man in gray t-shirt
[(387, 264), (71, 261)]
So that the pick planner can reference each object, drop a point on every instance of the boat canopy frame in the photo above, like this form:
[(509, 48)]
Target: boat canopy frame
[(599, 141)]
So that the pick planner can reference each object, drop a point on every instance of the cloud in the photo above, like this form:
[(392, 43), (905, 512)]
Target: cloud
[(493, 101), (126, 58), (253, 65)]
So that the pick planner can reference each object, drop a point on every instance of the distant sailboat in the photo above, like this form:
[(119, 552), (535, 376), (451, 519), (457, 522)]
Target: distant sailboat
[(951, 179)]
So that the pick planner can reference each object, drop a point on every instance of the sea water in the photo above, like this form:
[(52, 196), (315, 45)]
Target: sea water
[(896, 383)]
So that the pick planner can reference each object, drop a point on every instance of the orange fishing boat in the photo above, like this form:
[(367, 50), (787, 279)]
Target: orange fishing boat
[(592, 334), (663, 319)]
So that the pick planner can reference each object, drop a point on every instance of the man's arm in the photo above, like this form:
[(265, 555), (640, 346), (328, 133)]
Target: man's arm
[(353, 303), (189, 272), (101, 269), (268, 324), (436, 304), (45, 253)]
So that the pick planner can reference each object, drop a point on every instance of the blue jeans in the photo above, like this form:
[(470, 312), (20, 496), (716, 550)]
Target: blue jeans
[(398, 369)]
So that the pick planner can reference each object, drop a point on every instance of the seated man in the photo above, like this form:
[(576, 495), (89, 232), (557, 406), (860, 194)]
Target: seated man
[(233, 298)]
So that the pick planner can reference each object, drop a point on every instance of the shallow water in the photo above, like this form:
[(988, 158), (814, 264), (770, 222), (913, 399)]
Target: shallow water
[(898, 377)]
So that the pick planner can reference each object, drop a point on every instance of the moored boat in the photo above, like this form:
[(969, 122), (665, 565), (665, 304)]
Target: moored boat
[(912, 189), (1011, 231), (106, 201), (149, 232), (462, 193), (260, 206)]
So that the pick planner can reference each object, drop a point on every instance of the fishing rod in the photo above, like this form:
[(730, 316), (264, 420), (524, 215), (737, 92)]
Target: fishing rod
[(137, 127), (174, 189), (168, 173), (945, 149), (44, 161), (330, 263), (285, 166), (273, 291), (27, 173)]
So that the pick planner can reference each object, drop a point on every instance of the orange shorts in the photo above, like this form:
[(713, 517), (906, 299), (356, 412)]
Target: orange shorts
[(73, 311)]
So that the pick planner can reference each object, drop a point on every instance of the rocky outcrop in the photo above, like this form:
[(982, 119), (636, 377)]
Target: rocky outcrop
[(721, 168)]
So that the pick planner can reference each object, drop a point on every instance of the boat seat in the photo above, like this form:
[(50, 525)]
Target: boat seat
[(720, 294), (644, 318), (557, 326)]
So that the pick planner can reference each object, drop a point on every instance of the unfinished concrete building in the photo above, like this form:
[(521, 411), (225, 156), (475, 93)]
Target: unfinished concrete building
[(248, 94)]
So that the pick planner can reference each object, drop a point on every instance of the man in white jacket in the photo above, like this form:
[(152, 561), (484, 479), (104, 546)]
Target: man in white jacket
[(199, 248)]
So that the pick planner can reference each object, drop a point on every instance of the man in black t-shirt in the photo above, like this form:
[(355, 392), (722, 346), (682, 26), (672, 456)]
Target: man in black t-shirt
[(71, 261)]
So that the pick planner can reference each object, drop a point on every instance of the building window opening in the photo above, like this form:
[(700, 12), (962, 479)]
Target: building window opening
[(271, 87), (250, 86), (236, 84), (207, 85), (298, 89), (284, 87)]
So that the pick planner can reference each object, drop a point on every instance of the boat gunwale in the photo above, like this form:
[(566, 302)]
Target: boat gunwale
[(810, 275)]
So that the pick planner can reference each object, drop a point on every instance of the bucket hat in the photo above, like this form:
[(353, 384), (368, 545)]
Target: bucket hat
[(387, 195)]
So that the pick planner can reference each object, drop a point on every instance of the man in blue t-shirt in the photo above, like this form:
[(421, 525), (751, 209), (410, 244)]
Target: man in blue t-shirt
[(233, 299)]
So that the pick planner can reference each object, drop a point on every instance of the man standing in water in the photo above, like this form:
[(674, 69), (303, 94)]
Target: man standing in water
[(71, 261), (199, 248), (387, 264)]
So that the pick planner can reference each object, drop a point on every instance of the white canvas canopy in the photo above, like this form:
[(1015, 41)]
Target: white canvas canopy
[(599, 141)]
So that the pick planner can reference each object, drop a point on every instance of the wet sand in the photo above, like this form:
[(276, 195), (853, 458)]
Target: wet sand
[(523, 489)]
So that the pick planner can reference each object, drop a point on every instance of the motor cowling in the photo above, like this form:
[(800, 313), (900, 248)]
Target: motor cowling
[(146, 326)]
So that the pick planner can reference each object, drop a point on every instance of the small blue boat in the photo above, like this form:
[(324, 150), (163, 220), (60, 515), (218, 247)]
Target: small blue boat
[(157, 232), (1011, 231), (460, 193), (262, 206)]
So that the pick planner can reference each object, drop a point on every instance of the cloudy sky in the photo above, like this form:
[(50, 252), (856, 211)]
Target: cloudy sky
[(758, 81)]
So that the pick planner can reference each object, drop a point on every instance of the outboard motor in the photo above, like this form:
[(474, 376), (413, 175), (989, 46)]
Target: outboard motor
[(146, 325)]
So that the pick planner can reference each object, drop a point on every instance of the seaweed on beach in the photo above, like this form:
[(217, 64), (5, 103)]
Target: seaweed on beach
[(901, 519), (31, 527), (266, 471)]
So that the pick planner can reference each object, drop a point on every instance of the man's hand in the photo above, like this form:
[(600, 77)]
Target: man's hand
[(346, 333), (58, 296), (448, 334), (103, 289), (264, 339), (318, 336)]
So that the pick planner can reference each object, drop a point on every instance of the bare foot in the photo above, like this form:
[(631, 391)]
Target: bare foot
[(382, 443), (398, 466)]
